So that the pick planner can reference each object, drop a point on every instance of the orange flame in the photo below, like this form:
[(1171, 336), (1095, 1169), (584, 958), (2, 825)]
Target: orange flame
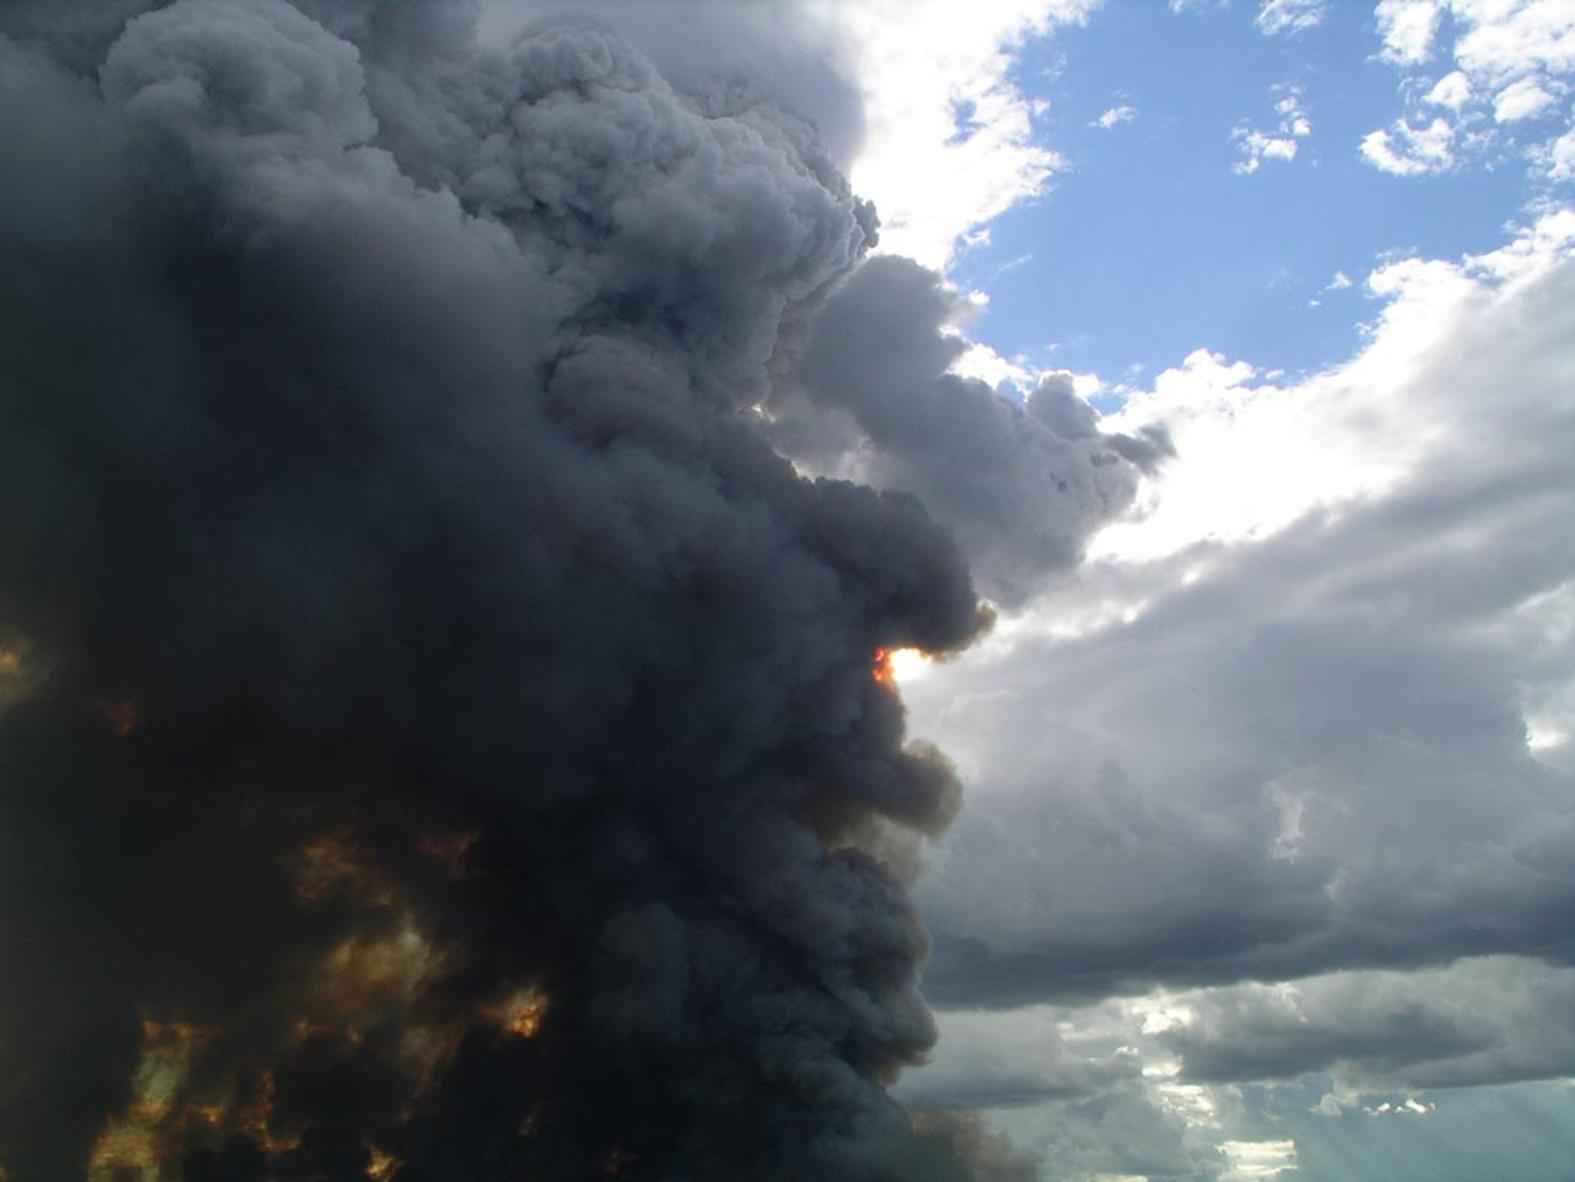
[(881, 670)]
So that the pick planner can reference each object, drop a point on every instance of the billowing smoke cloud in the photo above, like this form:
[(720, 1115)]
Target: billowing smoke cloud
[(1022, 486), (440, 740)]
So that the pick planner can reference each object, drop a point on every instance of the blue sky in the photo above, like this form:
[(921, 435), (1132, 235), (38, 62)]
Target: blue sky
[(1148, 244)]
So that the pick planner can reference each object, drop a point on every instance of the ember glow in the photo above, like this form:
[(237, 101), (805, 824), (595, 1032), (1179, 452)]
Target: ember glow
[(137, 1140), (881, 667), (521, 1014), (382, 1166)]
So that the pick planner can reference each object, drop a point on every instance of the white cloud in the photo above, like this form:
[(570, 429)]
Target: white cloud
[(921, 63), (1251, 1161), (1505, 39), (1339, 283), (984, 363), (1512, 60), (1293, 117), (1453, 90), (1408, 28), (1115, 115), (1254, 146), (1290, 16), (1523, 99), (1411, 151), (1558, 157)]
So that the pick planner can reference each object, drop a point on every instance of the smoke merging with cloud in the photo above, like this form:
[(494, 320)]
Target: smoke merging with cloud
[(1022, 486), (439, 737)]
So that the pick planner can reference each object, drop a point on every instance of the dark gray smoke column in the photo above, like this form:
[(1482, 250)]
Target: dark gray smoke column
[(440, 741)]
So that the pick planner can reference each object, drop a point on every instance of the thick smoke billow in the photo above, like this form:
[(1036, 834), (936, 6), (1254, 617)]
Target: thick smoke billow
[(1022, 486), (439, 738)]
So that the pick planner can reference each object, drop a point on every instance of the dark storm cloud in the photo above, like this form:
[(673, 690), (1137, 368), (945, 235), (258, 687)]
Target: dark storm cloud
[(1297, 755), (983, 1063), (1023, 488), (1486, 1021), (440, 726)]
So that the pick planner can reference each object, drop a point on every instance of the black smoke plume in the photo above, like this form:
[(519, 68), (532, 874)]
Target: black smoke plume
[(439, 741)]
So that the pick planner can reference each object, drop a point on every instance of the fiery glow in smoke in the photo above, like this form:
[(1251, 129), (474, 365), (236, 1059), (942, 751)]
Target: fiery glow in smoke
[(880, 667), (330, 864), (893, 666), (382, 1164), (256, 1119), (521, 1014), (132, 1140), (363, 975)]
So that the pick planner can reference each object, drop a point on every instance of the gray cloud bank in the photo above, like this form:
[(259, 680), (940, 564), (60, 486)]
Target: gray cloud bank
[(1285, 823), (1313, 755)]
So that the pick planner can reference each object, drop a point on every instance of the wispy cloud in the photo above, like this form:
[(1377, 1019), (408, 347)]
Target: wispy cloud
[(1255, 146), (1115, 115), (1290, 16)]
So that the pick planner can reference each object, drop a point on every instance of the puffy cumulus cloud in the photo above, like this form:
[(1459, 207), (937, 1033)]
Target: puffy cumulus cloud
[(439, 736), (1407, 28), (1328, 735), (1512, 66), (1405, 150), (1023, 486), (1523, 99), (1453, 90), (1558, 157)]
